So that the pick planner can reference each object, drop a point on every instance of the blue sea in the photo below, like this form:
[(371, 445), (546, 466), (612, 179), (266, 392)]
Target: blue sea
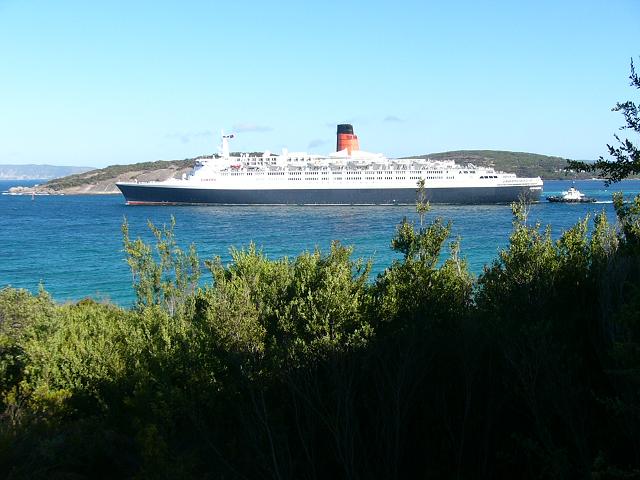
[(73, 244)]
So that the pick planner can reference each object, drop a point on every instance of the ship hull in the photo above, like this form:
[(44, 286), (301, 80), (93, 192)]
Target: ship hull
[(158, 194), (571, 200)]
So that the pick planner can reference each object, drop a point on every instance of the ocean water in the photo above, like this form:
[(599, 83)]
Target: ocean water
[(73, 244)]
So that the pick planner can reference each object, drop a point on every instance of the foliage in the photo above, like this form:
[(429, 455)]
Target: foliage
[(168, 281), (306, 306), (629, 217), (20, 312), (306, 368), (626, 155)]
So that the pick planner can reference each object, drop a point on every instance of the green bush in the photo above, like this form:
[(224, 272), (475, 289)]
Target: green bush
[(306, 367)]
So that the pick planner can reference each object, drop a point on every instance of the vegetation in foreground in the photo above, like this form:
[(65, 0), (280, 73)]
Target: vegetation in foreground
[(624, 156), (304, 368)]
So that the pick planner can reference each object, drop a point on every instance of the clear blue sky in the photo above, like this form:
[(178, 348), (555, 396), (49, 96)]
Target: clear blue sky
[(99, 83)]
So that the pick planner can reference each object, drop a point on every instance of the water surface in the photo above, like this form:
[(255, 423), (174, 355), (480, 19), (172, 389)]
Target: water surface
[(73, 244)]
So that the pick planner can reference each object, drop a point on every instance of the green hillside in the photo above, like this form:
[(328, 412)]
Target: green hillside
[(118, 172), (521, 163), (114, 171)]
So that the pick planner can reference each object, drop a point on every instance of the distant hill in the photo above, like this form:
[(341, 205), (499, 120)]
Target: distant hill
[(521, 163), (45, 172), (104, 180)]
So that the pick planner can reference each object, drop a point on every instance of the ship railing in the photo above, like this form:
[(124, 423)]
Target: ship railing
[(520, 181)]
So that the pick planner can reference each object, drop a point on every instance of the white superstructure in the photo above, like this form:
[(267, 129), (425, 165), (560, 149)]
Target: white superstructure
[(300, 170)]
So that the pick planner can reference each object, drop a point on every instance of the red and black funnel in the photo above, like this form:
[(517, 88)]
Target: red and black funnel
[(346, 138)]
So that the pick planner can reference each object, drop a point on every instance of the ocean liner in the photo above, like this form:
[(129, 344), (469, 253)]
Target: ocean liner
[(349, 176)]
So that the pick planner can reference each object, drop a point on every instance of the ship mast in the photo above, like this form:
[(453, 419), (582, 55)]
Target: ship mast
[(224, 148)]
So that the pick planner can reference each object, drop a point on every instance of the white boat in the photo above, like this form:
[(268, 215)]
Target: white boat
[(348, 176), (571, 196)]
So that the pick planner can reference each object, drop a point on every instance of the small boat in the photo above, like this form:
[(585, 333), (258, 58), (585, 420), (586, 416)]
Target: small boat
[(571, 196)]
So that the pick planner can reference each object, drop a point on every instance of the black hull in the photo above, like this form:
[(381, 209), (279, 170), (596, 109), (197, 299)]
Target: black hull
[(145, 194)]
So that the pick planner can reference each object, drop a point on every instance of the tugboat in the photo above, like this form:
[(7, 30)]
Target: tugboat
[(571, 196)]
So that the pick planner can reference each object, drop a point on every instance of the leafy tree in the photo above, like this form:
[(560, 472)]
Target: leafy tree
[(167, 278), (21, 314), (416, 288), (626, 154), (422, 205), (629, 219)]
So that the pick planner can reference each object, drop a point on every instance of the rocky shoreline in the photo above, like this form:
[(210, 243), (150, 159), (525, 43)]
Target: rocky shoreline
[(47, 191)]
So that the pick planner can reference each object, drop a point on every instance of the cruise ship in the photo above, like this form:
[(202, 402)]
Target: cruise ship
[(348, 176)]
